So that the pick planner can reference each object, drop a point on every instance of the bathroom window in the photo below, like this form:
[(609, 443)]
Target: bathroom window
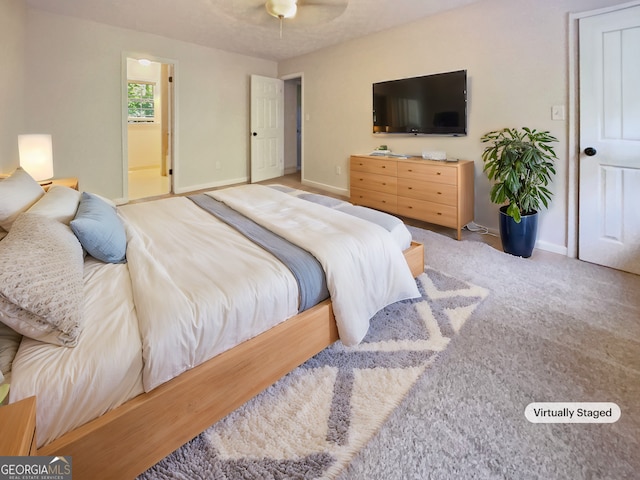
[(141, 103)]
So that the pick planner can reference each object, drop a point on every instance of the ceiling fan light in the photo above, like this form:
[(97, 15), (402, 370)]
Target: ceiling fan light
[(281, 8)]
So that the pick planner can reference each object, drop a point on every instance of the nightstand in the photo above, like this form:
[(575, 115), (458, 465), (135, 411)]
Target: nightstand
[(71, 182), (18, 426)]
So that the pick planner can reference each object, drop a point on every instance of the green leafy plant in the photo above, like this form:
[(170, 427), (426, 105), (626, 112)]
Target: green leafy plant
[(520, 162)]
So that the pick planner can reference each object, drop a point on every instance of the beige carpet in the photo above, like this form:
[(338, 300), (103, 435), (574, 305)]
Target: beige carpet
[(554, 329)]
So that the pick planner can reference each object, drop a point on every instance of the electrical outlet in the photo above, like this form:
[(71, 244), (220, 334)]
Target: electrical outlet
[(338, 170), (218, 166)]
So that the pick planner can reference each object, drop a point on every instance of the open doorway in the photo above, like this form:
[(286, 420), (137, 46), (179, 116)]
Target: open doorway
[(149, 128), (293, 125)]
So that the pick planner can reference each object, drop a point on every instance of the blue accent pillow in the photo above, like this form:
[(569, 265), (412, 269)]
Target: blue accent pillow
[(99, 229)]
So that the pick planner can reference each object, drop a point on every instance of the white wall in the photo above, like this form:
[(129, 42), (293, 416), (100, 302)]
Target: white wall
[(13, 25), (516, 54), (74, 84)]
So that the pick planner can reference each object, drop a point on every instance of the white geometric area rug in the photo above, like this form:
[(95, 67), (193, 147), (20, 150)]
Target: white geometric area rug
[(313, 421)]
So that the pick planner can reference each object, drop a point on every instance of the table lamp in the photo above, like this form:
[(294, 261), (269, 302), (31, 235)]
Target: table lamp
[(36, 156)]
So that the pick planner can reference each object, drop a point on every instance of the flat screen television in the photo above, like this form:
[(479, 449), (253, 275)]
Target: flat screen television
[(428, 105)]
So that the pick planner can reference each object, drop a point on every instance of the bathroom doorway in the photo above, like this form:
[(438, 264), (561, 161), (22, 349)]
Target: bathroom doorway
[(150, 106)]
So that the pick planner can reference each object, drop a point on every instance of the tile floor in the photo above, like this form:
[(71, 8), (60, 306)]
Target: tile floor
[(147, 182)]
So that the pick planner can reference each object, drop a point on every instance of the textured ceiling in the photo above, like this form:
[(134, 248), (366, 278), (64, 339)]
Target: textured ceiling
[(243, 26)]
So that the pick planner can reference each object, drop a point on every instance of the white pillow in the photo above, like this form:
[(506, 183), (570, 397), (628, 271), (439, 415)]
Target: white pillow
[(59, 203), (17, 193), (41, 268)]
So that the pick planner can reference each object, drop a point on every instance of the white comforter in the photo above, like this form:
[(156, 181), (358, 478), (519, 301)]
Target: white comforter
[(200, 287), (76, 385), (365, 268)]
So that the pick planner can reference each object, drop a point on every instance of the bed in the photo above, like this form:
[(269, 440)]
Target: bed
[(193, 319)]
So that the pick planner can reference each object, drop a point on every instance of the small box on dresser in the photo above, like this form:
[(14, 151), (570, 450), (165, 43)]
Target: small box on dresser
[(437, 192)]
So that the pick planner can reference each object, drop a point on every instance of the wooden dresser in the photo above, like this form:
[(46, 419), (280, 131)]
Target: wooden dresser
[(436, 192)]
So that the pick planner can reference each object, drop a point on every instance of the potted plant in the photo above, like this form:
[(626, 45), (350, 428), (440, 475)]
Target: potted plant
[(520, 162)]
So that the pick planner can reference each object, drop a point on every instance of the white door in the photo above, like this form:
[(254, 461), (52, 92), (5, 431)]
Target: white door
[(267, 128), (609, 212)]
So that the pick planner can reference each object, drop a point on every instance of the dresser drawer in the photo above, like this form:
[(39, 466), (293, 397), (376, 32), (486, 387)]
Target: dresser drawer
[(375, 182), (428, 172), (381, 166), (443, 193), (445, 215), (377, 200)]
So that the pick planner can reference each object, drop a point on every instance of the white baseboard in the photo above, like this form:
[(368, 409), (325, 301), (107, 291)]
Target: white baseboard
[(205, 186), (329, 188), (552, 247), (145, 167)]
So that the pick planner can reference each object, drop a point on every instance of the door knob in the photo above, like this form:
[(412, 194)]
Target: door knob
[(590, 151), (255, 134)]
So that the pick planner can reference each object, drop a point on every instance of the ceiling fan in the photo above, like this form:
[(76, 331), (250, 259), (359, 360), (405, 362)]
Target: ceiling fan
[(301, 13), (281, 8)]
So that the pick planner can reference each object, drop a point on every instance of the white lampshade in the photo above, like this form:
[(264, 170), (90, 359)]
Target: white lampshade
[(281, 8), (36, 155)]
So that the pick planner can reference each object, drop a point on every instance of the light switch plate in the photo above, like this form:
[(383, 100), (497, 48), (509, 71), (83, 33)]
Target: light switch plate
[(557, 112)]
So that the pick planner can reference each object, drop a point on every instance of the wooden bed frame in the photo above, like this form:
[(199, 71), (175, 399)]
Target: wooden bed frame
[(126, 441)]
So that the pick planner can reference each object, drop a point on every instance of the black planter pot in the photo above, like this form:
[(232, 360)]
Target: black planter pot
[(518, 238)]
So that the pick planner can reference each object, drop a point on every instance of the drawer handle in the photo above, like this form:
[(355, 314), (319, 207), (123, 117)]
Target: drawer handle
[(439, 193), (384, 166), (384, 184), (409, 188), (384, 201), (438, 173), (439, 213)]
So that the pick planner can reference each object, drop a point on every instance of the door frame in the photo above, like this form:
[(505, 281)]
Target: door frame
[(173, 121), (574, 147), (292, 76)]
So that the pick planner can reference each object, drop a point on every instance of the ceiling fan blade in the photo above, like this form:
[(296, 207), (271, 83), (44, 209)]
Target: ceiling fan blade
[(246, 11), (323, 3), (313, 12)]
